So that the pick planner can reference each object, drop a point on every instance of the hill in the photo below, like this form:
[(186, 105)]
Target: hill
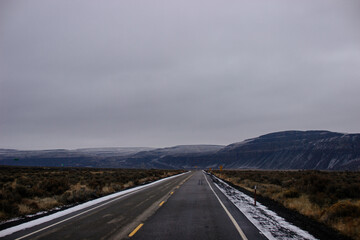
[(321, 150), (295, 150)]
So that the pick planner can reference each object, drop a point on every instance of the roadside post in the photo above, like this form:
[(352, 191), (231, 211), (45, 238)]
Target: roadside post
[(255, 196)]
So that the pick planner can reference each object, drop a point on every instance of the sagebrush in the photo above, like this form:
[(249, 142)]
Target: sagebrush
[(27, 190), (330, 197)]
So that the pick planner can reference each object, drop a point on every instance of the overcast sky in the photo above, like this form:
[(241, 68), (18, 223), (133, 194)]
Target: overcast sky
[(162, 73)]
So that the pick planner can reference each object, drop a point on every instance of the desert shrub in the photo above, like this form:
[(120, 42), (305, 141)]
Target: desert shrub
[(321, 199), (96, 183), (65, 198), (347, 191), (81, 196), (314, 184), (8, 207), (55, 186), (41, 188), (38, 191), (291, 194), (22, 191), (326, 196), (34, 205), (275, 181), (341, 209)]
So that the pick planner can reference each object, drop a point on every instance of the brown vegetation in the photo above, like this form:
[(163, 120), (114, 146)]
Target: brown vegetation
[(27, 190), (332, 198)]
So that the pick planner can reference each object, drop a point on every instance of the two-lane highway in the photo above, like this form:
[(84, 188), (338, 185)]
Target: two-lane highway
[(184, 207), (113, 219), (198, 210)]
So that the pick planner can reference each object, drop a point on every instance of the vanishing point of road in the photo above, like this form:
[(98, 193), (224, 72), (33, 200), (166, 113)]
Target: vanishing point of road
[(188, 206)]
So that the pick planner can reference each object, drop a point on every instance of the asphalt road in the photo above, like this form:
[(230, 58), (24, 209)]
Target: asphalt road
[(185, 207)]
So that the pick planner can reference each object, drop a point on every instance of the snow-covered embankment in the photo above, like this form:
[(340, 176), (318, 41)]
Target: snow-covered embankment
[(268, 222)]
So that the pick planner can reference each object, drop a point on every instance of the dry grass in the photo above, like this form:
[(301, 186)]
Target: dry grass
[(25, 209), (78, 187), (129, 184), (332, 198), (107, 189), (304, 206), (26, 190), (46, 203), (350, 226)]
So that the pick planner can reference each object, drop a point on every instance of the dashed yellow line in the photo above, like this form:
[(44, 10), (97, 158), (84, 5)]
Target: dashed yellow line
[(162, 203), (135, 230)]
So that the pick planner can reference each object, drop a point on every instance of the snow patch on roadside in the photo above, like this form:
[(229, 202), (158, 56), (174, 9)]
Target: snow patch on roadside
[(268, 222), (48, 218), (36, 214)]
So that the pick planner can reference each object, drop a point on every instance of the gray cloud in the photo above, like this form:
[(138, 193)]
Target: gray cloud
[(159, 73)]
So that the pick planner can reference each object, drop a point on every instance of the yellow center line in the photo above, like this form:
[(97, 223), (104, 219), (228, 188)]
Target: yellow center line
[(171, 193), (161, 203), (135, 230)]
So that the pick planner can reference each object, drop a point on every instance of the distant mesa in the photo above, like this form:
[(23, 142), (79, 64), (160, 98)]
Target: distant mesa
[(321, 150)]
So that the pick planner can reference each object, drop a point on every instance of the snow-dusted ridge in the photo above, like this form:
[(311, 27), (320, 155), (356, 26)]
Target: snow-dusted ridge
[(48, 218), (268, 222)]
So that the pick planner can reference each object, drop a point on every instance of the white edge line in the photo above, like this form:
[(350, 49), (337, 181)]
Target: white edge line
[(264, 231), (228, 213), (114, 197), (64, 220)]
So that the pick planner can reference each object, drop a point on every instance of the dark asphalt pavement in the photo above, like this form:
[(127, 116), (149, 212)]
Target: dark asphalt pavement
[(194, 212), (184, 207)]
